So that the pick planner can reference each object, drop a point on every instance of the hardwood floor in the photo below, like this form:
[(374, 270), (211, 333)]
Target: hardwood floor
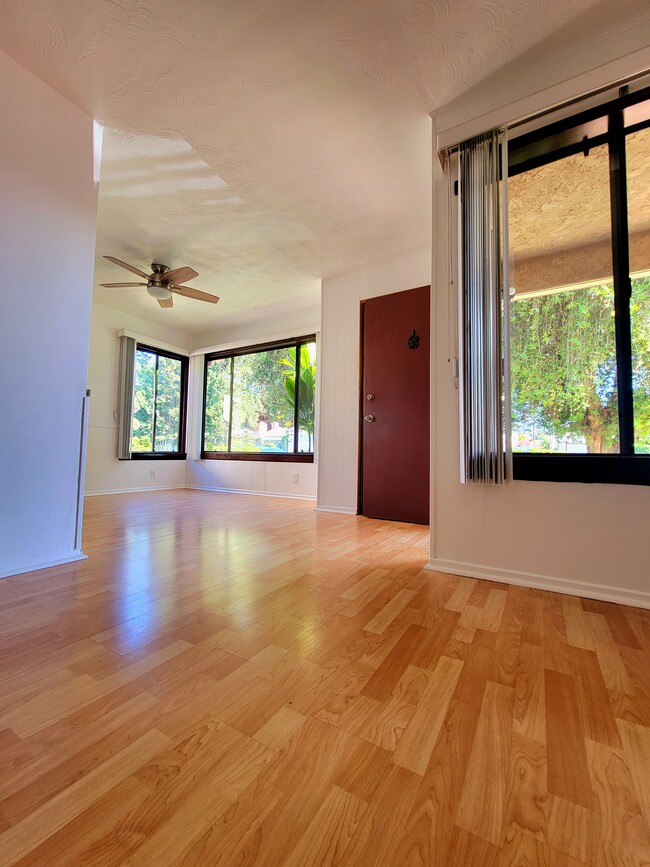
[(233, 680)]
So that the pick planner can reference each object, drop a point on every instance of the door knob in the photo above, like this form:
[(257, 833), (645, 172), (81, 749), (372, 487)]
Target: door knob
[(369, 418)]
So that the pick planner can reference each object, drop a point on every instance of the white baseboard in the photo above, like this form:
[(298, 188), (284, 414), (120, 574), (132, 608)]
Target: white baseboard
[(636, 598), (21, 570), (337, 510), (135, 490), (249, 493)]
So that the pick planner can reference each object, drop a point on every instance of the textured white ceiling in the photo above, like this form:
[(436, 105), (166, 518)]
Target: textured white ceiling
[(266, 144)]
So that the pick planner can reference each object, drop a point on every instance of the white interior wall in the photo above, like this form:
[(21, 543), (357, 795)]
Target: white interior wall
[(586, 539), (47, 237), (257, 477), (104, 472), (339, 366)]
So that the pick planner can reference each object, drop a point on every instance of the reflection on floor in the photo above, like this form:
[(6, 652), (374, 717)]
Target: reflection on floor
[(233, 680)]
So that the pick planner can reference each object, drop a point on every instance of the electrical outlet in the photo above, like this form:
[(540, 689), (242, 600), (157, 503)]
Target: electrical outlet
[(152, 474), (295, 480)]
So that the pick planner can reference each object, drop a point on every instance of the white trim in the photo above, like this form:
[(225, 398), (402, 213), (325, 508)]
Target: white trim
[(153, 342), (250, 493), (637, 598), (134, 490), (337, 510), (297, 334), (479, 110), (21, 571)]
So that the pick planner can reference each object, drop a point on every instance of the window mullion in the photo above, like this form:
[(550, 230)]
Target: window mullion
[(232, 385), (155, 399), (296, 401), (622, 285)]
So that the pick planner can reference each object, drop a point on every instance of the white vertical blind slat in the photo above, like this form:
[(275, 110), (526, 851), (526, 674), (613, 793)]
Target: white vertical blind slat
[(484, 300), (125, 397)]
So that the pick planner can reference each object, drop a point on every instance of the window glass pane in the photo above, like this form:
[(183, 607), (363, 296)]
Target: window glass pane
[(262, 416), (563, 349), (168, 404), (217, 405), (143, 400), (638, 195), (306, 397)]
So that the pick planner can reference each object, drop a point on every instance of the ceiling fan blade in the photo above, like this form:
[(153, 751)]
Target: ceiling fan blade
[(189, 292), (180, 275), (166, 302), (128, 267), (120, 285)]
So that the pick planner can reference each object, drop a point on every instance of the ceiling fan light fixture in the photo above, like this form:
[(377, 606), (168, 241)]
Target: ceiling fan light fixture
[(161, 293)]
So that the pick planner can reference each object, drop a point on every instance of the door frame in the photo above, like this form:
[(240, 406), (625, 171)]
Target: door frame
[(360, 414)]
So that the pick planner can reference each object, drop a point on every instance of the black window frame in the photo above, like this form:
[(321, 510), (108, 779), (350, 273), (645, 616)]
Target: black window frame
[(295, 457), (546, 145), (181, 454)]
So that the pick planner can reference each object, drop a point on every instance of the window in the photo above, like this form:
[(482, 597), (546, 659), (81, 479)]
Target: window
[(159, 399), (579, 227), (259, 402)]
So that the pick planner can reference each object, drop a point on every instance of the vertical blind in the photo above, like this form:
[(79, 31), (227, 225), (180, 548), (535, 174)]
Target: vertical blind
[(484, 310), (125, 397)]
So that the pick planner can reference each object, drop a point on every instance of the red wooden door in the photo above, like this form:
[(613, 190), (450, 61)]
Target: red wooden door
[(394, 478)]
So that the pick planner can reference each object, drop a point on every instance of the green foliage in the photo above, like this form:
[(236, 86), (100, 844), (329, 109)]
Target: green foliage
[(217, 405), (307, 389), (640, 314), (158, 392), (563, 364)]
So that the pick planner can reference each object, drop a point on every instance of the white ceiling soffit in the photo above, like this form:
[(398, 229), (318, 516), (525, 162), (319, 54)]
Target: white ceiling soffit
[(266, 144)]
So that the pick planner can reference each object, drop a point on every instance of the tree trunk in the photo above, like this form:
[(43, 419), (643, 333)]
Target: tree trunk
[(595, 428)]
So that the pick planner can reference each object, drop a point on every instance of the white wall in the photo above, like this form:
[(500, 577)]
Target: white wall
[(261, 477), (586, 539), (339, 399), (104, 473), (47, 243)]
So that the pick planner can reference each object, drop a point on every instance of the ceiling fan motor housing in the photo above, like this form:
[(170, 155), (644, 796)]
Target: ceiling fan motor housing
[(156, 286)]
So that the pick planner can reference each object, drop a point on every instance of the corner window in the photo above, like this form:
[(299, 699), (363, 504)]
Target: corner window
[(579, 226), (159, 400), (259, 402)]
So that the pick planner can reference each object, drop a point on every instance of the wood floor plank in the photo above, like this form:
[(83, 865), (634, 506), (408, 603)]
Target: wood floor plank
[(277, 731), (381, 685), (389, 612), (482, 806), (530, 709), (568, 775), (624, 834), (595, 704), (330, 832), (419, 738), (527, 789), (636, 745)]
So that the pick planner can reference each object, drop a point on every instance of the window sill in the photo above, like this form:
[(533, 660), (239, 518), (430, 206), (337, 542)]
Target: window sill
[(270, 457), (158, 456), (589, 469)]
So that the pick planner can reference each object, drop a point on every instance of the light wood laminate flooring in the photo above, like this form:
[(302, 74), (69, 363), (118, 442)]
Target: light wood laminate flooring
[(239, 680)]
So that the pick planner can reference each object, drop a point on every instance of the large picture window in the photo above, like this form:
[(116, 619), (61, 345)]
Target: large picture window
[(159, 399), (259, 402), (579, 227)]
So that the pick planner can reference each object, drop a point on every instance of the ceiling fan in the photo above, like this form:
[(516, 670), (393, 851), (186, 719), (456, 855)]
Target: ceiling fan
[(162, 284)]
